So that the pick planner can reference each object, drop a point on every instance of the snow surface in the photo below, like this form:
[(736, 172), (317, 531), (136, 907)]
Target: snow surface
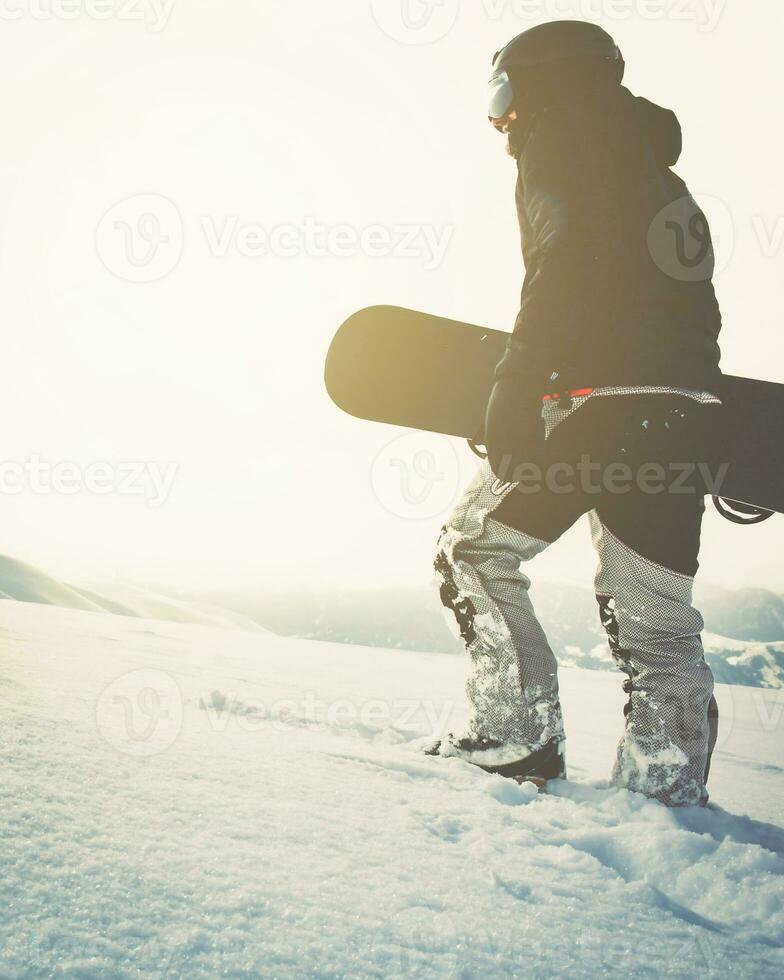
[(183, 801)]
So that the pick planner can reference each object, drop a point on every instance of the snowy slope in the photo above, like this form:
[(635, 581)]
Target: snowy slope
[(183, 801), (25, 583)]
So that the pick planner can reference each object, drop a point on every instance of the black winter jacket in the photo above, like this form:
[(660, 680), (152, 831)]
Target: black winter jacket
[(618, 257)]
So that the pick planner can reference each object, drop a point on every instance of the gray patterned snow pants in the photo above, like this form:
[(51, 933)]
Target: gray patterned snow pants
[(647, 541)]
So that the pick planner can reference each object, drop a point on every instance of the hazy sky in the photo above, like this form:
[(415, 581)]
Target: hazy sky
[(194, 196)]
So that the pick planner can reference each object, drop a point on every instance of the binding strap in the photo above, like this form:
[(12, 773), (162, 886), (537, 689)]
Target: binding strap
[(477, 446), (742, 514)]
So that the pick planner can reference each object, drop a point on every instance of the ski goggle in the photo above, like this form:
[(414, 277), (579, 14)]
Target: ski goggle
[(501, 96)]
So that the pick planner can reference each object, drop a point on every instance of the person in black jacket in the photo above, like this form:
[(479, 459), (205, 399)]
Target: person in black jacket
[(604, 405)]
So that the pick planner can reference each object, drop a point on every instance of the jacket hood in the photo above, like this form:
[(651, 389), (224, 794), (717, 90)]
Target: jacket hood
[(664, 132)]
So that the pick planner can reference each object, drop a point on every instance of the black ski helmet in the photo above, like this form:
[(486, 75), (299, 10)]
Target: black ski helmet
[(558, 40)]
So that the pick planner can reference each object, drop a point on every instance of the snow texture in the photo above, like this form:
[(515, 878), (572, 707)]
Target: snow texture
[(186, 801)]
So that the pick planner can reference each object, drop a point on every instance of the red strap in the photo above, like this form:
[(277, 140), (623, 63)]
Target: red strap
[(577, 393)]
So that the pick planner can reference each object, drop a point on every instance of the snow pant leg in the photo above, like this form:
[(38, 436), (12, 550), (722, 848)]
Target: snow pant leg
[(654, 633), (512, 684)]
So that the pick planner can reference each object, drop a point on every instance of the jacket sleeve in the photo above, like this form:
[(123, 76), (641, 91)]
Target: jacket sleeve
[(566, 207)]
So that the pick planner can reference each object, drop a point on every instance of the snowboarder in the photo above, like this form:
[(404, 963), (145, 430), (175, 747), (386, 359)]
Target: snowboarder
[(611, 371)]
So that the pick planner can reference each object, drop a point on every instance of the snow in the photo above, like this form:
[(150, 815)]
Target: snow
[(746, 662), (187, 801)]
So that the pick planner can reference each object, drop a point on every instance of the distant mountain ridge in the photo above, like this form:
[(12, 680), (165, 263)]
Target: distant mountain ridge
[(744, 639), (748, 614), (24, 583)]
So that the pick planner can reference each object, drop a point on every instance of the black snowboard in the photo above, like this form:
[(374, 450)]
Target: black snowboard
[(388, 364)]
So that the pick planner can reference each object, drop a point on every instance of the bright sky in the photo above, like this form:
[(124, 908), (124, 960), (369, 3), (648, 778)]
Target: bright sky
[(160, 333)]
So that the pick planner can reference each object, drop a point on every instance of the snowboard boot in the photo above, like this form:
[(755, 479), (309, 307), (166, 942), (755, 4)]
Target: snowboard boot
[(538, 767)]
